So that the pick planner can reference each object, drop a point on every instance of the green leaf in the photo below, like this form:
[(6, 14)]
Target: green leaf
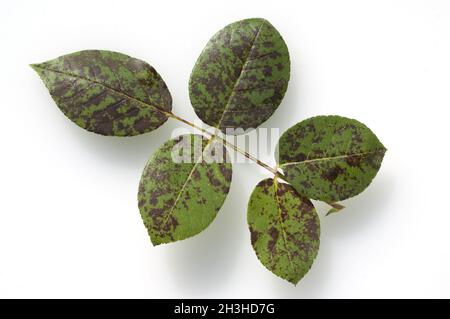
[(241, 76), (330, 158), (106, 92), (284, 228), (179, 200)]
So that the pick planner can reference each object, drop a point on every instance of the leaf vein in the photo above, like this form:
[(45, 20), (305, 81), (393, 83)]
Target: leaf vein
[(185, 183), (227, 105), (333, 157), (127, 96), (283, 231)]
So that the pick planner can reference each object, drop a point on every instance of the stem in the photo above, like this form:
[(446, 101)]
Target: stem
[(225, 142)]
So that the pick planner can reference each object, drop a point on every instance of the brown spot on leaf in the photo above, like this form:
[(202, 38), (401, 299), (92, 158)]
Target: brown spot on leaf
[(254, 235), (332, 173), (312, 228), (273, 232), (212, 179), (155, 213), (353, 160), (196, 175), (142, 123), (267, 71), (171, 224), (226, 173)]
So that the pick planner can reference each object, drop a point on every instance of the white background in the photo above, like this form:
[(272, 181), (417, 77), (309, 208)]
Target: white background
[(69, 223)]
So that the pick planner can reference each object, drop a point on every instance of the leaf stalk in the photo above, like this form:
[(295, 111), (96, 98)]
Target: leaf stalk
[(225, 142)]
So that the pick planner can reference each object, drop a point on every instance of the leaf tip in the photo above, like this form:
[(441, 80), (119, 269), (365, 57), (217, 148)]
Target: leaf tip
[(335, 207), (36, 67), (155, 242), (294, 282)]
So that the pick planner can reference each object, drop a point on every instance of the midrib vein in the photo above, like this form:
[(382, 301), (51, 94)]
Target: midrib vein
[(332, 157), (283, 232), (246, 59), (127, 96), (198, 160)]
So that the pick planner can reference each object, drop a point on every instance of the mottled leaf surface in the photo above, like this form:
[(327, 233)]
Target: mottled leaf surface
[(330, 158), (241, 76), (179, 200), (107, 92), (284, 228)]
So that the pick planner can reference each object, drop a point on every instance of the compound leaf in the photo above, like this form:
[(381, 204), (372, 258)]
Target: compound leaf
[(106, 92), (180, 195), (330, 158), (284, 228), (241, 76)]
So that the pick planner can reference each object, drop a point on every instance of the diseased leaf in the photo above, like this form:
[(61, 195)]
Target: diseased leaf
[(179, 200), (241, 76), (106, 92), (284, 228), (330, 158)]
